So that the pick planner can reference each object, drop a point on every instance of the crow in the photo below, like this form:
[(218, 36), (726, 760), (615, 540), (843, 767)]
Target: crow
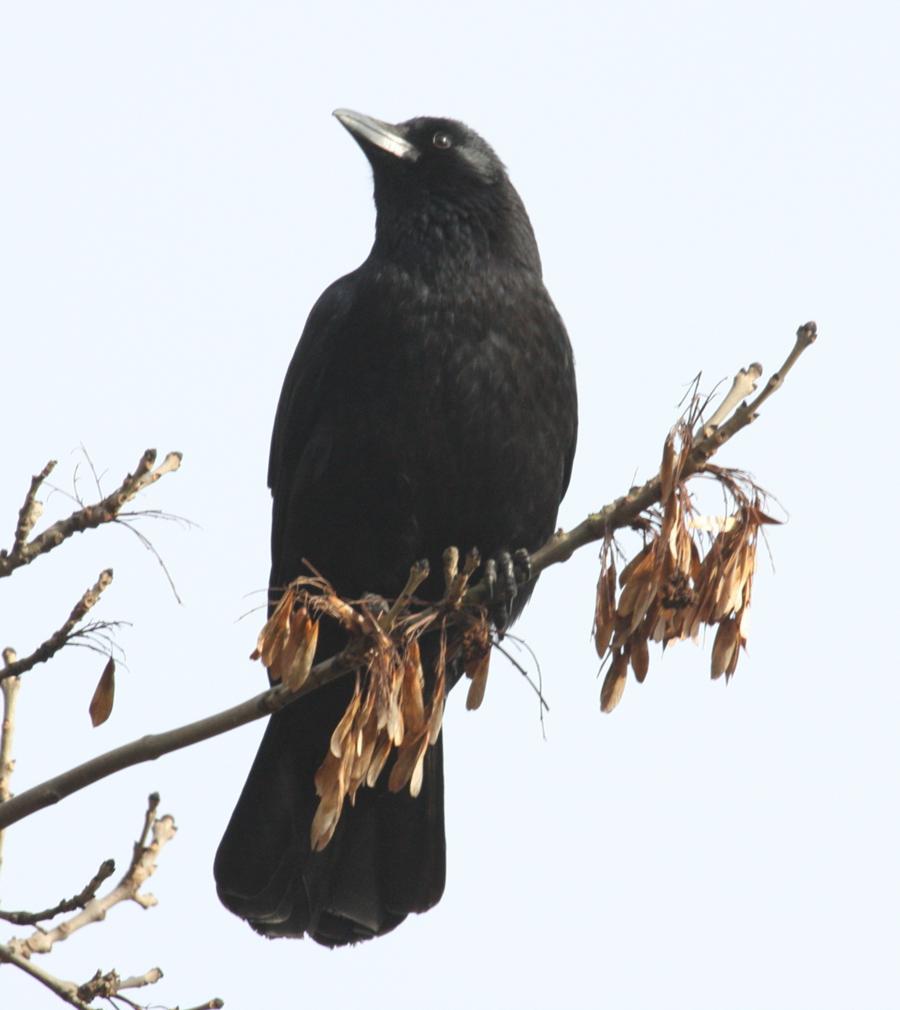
[(430, 402)]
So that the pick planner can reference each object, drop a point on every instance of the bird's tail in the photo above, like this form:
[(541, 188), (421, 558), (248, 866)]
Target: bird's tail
[(386, 859)]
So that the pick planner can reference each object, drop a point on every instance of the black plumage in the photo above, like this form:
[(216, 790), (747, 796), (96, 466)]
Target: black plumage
[(431, 401)]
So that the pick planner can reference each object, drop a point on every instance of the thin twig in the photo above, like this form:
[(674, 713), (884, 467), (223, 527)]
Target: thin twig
[(143, 864), (88, 517), (59, 638), (86, 894), (31, 509), (108, 985), (147, 543), (514, 662), (618, 514)]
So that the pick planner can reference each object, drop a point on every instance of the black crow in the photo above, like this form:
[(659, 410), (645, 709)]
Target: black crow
[(430, 401)]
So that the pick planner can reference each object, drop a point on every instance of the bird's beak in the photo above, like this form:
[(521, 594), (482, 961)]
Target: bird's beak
[(369, 131)]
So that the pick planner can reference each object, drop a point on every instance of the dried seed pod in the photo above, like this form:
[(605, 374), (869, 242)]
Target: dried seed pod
[(725, 649), (342, 730), (300, 652), (639, 656), (605, 609), (644, 596), (101, 705), (436, 717), (641, 560), (412, 697), (383, 747), (478, 672), (330, 787), (668, 468), (418, 772), (408, 757), (275, 632), (614, 682)]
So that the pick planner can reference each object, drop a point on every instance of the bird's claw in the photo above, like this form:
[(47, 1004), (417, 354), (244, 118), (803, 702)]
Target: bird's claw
[(504, 573)]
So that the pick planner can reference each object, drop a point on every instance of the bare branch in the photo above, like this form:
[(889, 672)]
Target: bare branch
[(142, 865), (86, 894), (743, 385), (31, 509), (110, 984), (59, 638), (625, 510), (88, 517), (152, 746)]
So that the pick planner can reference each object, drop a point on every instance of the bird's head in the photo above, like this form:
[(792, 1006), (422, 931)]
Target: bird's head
[(438, 182)]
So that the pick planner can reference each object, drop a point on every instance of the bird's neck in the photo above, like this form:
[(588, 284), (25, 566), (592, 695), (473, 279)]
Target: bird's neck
[(429, 237)]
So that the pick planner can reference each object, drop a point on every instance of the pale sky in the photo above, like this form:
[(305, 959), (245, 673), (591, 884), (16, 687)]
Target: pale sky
[(702, 178)]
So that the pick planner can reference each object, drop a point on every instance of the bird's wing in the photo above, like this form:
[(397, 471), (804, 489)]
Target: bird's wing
[(300, 404), (569, 457)]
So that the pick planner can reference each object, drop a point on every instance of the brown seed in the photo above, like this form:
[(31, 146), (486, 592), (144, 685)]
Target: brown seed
[(642, 558), (479, 674), (407, 759), (300, 651), (667, 468), (725, 648), (412, 701), (605, 609), (380, 755), (342, 730), (101, 705), (640, 658), (614, 682)]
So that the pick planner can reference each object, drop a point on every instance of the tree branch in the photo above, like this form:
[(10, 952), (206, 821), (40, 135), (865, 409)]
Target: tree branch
[(31, 510), (143, 864), (154, 745), (88, 517), (59, 638), (86, 894), (621, 513)]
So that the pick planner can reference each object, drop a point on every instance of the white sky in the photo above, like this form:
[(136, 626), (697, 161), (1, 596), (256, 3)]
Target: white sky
[(702, 178)]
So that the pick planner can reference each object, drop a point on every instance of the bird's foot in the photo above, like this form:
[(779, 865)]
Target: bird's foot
[(504, 573)]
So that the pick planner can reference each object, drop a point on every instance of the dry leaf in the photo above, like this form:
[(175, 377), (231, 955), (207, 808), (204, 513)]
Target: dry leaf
[(101, 705)]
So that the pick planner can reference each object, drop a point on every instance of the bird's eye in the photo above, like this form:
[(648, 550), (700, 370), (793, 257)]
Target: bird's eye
[(442, 141)]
